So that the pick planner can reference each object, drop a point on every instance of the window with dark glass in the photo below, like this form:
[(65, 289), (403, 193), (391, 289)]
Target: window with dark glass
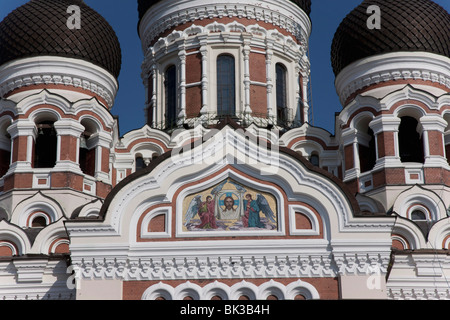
[(314, 160), (86, 155), (5, 149), (281, 92), (410, 141), (45, 148), (367, 154), (139, 163), (170, 92), (226, 95), (418, 215)]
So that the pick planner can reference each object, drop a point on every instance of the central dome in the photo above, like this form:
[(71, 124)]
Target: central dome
[(39, 28), (406, 25)]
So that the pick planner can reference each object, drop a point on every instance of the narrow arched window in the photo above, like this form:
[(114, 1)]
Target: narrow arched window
[(314, 160), (418, 215), (139, 163), (87, 150), (367, 153), (170, 93), (45, 148), (226, 95), (5, 148), (39, 222), (281, 92), (410, 141)]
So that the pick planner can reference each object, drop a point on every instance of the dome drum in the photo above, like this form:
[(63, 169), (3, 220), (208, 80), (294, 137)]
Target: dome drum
[(168, 14), (39, 29)]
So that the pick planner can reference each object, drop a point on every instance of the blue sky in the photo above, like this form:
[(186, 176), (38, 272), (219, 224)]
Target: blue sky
[(129, 107)]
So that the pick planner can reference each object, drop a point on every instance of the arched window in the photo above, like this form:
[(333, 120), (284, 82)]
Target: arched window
[(139, 162), (281, 89), (418, 215), (45, 148), (226, 95), (170, 94), (87, 152), (5, 148), (314, 159), (367, 154), (39, 222), (410, 141)]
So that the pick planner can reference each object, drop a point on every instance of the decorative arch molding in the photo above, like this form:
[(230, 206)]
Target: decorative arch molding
[(8, 249), (27, 106), (309, 214), (39, 202), (439, 235), (15, 237), (144, 231), (152, 138), (404, 245), (418, 195), (233, 292), (50, 238), (59, 107), (281, 42), (159, 290), (408, 233), (89, 210), (397, 103)]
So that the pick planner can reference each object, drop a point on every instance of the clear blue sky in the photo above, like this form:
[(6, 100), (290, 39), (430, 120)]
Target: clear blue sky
[(129, 107)]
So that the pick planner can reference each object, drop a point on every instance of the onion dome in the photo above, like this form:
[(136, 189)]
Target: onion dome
[(406, 25), (144, 5), (39, 28)]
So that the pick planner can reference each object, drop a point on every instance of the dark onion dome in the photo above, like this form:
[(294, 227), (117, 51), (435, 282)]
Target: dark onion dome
[(406, 25), (39, 28), (144, 5)]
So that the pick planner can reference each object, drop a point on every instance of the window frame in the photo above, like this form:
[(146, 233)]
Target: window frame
[(231, 109)]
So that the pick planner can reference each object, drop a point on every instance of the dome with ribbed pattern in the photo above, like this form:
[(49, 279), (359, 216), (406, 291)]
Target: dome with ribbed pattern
[(39, 28), (406, 25)]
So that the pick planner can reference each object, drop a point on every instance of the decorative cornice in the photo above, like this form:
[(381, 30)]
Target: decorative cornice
[(307, 265), (58, 71), (168, 14), (392, 67)]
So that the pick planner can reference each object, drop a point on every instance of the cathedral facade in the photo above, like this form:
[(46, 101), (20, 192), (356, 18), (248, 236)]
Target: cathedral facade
[(227, 192)]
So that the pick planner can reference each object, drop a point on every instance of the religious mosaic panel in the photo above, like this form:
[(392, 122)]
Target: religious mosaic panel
[(230, 206)]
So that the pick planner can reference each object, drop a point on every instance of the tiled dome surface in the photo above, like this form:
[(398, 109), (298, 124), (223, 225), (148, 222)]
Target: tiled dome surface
[(406, 25), (40, 28)]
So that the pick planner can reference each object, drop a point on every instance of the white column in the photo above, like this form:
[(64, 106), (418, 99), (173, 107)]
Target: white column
[(269, 79), (182, 57), (20, 128), (204, 53), (246, 53), (67, 127)]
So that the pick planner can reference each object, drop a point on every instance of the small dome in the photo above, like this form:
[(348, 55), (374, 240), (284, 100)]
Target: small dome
[(406, 25), (39, 28), (144, 5)]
